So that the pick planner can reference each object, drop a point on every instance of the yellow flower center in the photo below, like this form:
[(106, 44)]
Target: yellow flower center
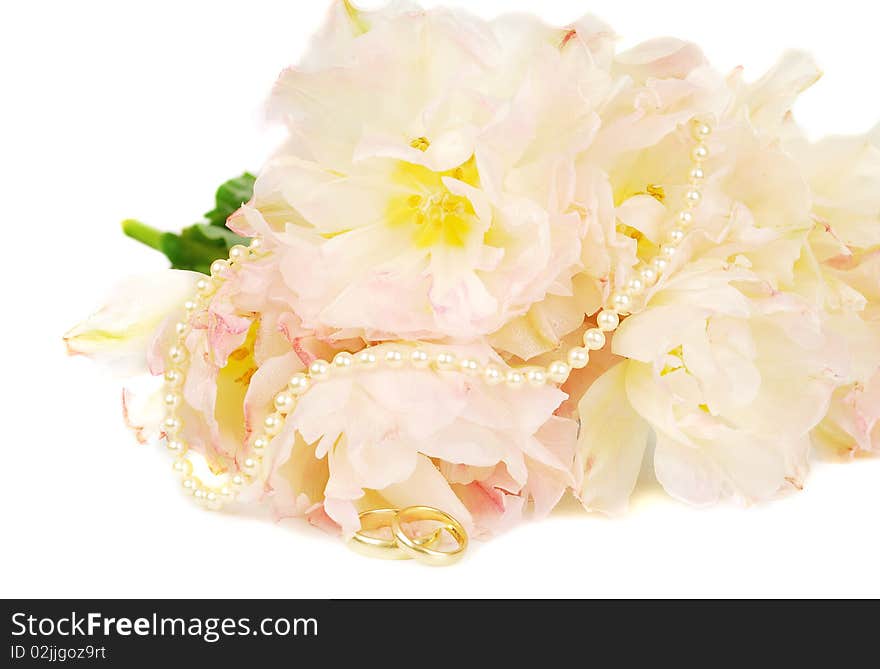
[(233, 380), (426, 209), (657, 192), (354, 15), (676, 363), (420, 143)]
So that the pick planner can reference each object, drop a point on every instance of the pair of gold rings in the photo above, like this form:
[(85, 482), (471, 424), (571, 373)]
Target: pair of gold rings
[(403, 546)]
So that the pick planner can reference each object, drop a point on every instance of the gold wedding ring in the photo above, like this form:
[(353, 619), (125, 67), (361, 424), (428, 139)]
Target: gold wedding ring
[(371, 545), (426, 553), (402, 546)]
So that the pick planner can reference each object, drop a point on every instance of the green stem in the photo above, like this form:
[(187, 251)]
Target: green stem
[(144, 233)]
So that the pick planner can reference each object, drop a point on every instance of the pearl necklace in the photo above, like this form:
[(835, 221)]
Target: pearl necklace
[(226, 487)]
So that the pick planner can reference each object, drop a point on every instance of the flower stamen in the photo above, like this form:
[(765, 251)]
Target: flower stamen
[(420, 143)]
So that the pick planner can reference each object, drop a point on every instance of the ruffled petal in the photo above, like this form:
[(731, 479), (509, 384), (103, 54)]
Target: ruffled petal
[(120, 333), (611, 444)]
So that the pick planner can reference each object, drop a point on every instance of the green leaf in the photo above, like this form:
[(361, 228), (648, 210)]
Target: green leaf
[(200, 244), (229, 197), (216, 233), (197, 246)]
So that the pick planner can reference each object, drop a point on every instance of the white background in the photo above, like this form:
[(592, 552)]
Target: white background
[(118, 109)]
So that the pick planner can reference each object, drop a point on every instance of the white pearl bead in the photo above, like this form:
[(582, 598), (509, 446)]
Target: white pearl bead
[(635, 286), (394, 358), (469, 366), (366, 359), (693, 197), (177, 354), (608, 320), (238, 253), (260, 444), (256, 244), (219, 266), (298, 384), (685, 218), (445, 361), (649, 275), (182, 467), (238, 480), (700, 152), (594, 339), (173, 378), (251, 465), (319, 369), (676, 235), (273, 423), (536, 377), (492, 375), (227, 493), (190, 306), (420, 358), (697, 174), (204, 287), (578, 357), (181, 329), (700, 130), (212, 500), (191, 484), (176, 447), (199, 495), (170, 400), (558, 371), (660, 264), (515, 379), (343, 361), (668, 251), (284, 403), (622, 302), (171, 424)]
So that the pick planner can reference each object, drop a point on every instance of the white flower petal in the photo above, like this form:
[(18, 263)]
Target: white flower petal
[(120, 333), (611, 444)]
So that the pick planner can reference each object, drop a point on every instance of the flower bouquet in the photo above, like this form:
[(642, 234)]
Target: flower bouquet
[(496, 261)]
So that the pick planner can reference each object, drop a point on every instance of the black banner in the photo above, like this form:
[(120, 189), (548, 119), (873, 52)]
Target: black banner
[(226, 632)]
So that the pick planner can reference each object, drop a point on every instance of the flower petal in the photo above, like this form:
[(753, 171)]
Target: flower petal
[(119, 333), (611, 444)]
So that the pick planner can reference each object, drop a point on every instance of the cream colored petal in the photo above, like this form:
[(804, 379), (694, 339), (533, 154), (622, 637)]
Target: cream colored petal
[(119, 334), (427, 487), (747, 468), (770, 98), (143, 409), (611, 444)]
